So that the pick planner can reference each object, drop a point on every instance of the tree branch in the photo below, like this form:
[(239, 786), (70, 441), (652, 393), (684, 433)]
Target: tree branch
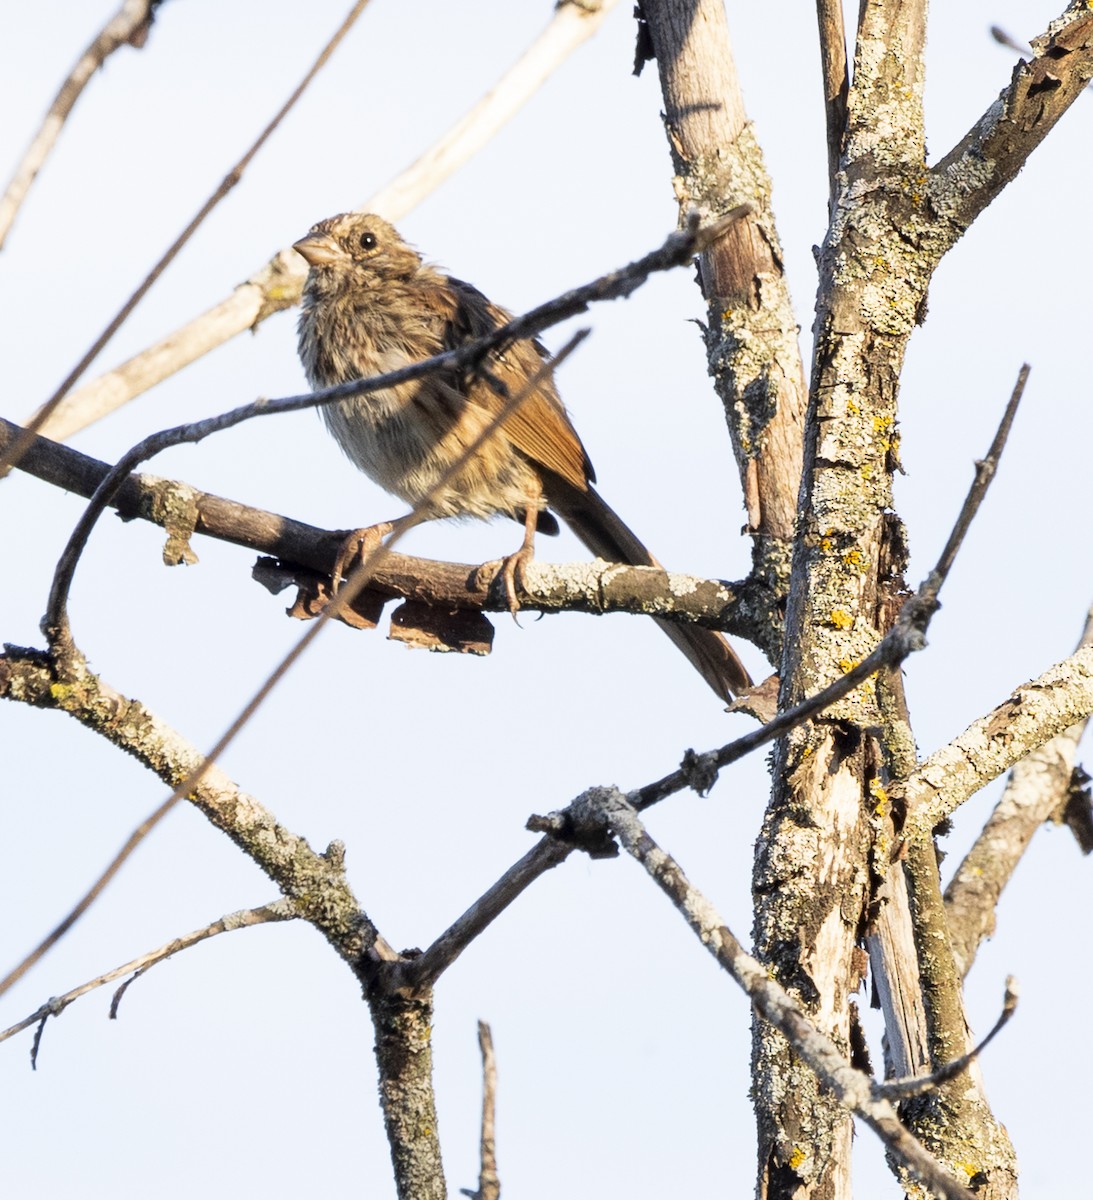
[(489, 1185), (1033, 714), (836, 74), (316, 883), (752, 346), (1036, 789), (992, 152), (593, 587)]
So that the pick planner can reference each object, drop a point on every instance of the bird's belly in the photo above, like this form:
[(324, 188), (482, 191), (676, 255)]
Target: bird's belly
[(384, 434)]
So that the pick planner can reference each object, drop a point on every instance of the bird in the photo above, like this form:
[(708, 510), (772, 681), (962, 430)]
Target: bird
[(372, 304)]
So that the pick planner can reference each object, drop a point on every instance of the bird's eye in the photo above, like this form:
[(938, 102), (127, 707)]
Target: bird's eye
[(368, 240)]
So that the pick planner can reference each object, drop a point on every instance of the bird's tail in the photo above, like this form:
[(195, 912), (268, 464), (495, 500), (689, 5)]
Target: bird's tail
[(603, 532)]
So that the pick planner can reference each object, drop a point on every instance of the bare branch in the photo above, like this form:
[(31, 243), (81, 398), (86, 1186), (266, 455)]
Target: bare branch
[(74, 665), (426, 968), (829, 14), (752, 343), (279, 910), (1034, 713), (128, 26), (229, 181), (489, 1185), (989, 156), (595, 586), (279, 284), (1037, 787)]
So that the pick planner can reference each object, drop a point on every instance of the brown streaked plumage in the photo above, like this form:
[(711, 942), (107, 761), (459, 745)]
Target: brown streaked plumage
[(372, 305)]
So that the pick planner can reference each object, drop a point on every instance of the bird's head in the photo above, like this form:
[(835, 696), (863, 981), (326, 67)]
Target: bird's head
[(356, 248)]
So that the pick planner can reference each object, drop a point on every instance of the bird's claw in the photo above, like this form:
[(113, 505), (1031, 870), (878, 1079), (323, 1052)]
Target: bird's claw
[(358, 547)]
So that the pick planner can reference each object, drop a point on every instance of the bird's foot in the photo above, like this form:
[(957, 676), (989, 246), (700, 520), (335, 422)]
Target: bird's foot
[(357, 548), (512, 575)]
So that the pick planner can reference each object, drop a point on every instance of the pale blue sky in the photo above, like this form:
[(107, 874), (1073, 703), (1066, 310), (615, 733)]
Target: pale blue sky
[(244, 1066)]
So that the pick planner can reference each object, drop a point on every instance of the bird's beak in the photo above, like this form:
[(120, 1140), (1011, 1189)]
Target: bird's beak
[(319, 251)]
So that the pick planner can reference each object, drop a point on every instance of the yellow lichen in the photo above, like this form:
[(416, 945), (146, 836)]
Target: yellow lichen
[(797, 1157), (841, 619)]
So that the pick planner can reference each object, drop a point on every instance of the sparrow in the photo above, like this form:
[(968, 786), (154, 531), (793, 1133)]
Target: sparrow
[(371, 304)]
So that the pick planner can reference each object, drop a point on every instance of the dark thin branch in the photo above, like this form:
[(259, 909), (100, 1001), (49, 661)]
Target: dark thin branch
[(423, 971), (699, 771), (129, 26), (226, 184), (984, 473), (907, 635), (358, 579), (901, 1089)]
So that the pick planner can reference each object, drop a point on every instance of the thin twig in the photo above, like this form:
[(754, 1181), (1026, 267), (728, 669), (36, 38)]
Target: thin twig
[(279, 283), (608, 808), (279, 910), (128, 26), (1005, 39), (226, 184), (901, 1089), (489, 1185)]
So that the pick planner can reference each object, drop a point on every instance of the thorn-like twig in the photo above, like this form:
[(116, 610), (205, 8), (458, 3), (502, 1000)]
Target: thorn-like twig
[(279, 910), (489, 1185)]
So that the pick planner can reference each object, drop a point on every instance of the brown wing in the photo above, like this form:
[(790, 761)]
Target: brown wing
[(539, 428)]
